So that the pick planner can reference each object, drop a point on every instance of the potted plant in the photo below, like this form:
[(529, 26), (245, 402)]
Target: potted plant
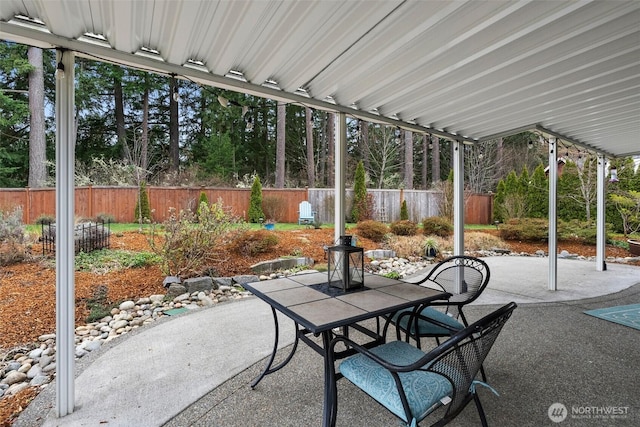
[(430, 247), (270, 224)]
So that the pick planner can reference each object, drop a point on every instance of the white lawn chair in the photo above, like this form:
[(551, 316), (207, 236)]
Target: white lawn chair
[(305, 214)]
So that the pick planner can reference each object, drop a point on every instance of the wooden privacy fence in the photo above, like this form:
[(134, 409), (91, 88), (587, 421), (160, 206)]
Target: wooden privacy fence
[(282, 204)]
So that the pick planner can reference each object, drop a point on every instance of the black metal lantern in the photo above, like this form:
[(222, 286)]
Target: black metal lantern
[(346, 265)]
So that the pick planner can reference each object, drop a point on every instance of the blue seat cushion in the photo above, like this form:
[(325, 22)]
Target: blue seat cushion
[(424, 390), (426, 328)]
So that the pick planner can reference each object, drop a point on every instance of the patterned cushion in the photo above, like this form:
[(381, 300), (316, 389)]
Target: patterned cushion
[(428, 328), (423, 389)]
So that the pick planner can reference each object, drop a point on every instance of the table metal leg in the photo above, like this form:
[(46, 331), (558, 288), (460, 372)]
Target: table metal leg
[(268, 369), (330, 408)]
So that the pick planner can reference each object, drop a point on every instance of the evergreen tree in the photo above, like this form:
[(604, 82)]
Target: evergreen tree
[(404, 213), (203, 199), (142, 209), (538, 194), (359, 210), (255, 204), (498, 202)]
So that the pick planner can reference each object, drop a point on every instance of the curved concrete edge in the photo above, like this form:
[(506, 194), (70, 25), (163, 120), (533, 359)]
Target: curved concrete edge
[(526, 280), (152, 376)]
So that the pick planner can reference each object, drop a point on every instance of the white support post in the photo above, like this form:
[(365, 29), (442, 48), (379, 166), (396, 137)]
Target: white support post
[(458, 198), (458, 208), (65, 280), (600, 216), (340, 165), (553, 215)]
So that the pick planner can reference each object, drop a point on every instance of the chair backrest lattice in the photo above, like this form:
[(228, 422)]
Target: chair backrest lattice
[(462, 356), (305, 210), (472, 274)]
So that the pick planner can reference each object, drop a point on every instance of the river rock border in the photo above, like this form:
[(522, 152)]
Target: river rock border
[(35, 365)]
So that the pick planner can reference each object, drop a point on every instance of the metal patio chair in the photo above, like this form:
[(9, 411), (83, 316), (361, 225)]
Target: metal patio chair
[(412, 384), (444, 318)]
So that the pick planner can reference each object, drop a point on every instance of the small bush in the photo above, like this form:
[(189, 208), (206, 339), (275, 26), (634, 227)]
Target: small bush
[(45, 219), (373, 230), (404, 228), (106, 218), (187, 244), (525, 229), (436, 225), (479, 241), (252, 243), (406, 246), (580, 231), (273, 208), (12, 248), (203, 199)]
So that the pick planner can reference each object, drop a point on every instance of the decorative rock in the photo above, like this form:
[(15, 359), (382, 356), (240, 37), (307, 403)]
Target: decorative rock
[(16, 388), (13, 366), (45, 360), (127, 305), (39, 380), (50, 367), (119, 324), (46, 337), (198, 284), (35, 353), (222, 281), (93, 345), (156, 299), (169, 280), (180, 298), (34, 371), (14, 377), (175, 290), (241, 280)]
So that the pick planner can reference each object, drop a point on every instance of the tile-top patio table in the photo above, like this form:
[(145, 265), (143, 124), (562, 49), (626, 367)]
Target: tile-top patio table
[(317, 308)]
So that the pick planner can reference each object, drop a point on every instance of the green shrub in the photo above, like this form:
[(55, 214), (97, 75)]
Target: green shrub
[(187, 244), (203, 199), (525, 229), (404, 228), (404, 212), (361, 210), (372, 230), (45, 219), (580, 231), (436, 225), (255, 203), (142, 209), (106, 218), (252, 243), (12, 248)]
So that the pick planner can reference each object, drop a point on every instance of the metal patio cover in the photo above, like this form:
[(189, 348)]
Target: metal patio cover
[(466, 70)]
